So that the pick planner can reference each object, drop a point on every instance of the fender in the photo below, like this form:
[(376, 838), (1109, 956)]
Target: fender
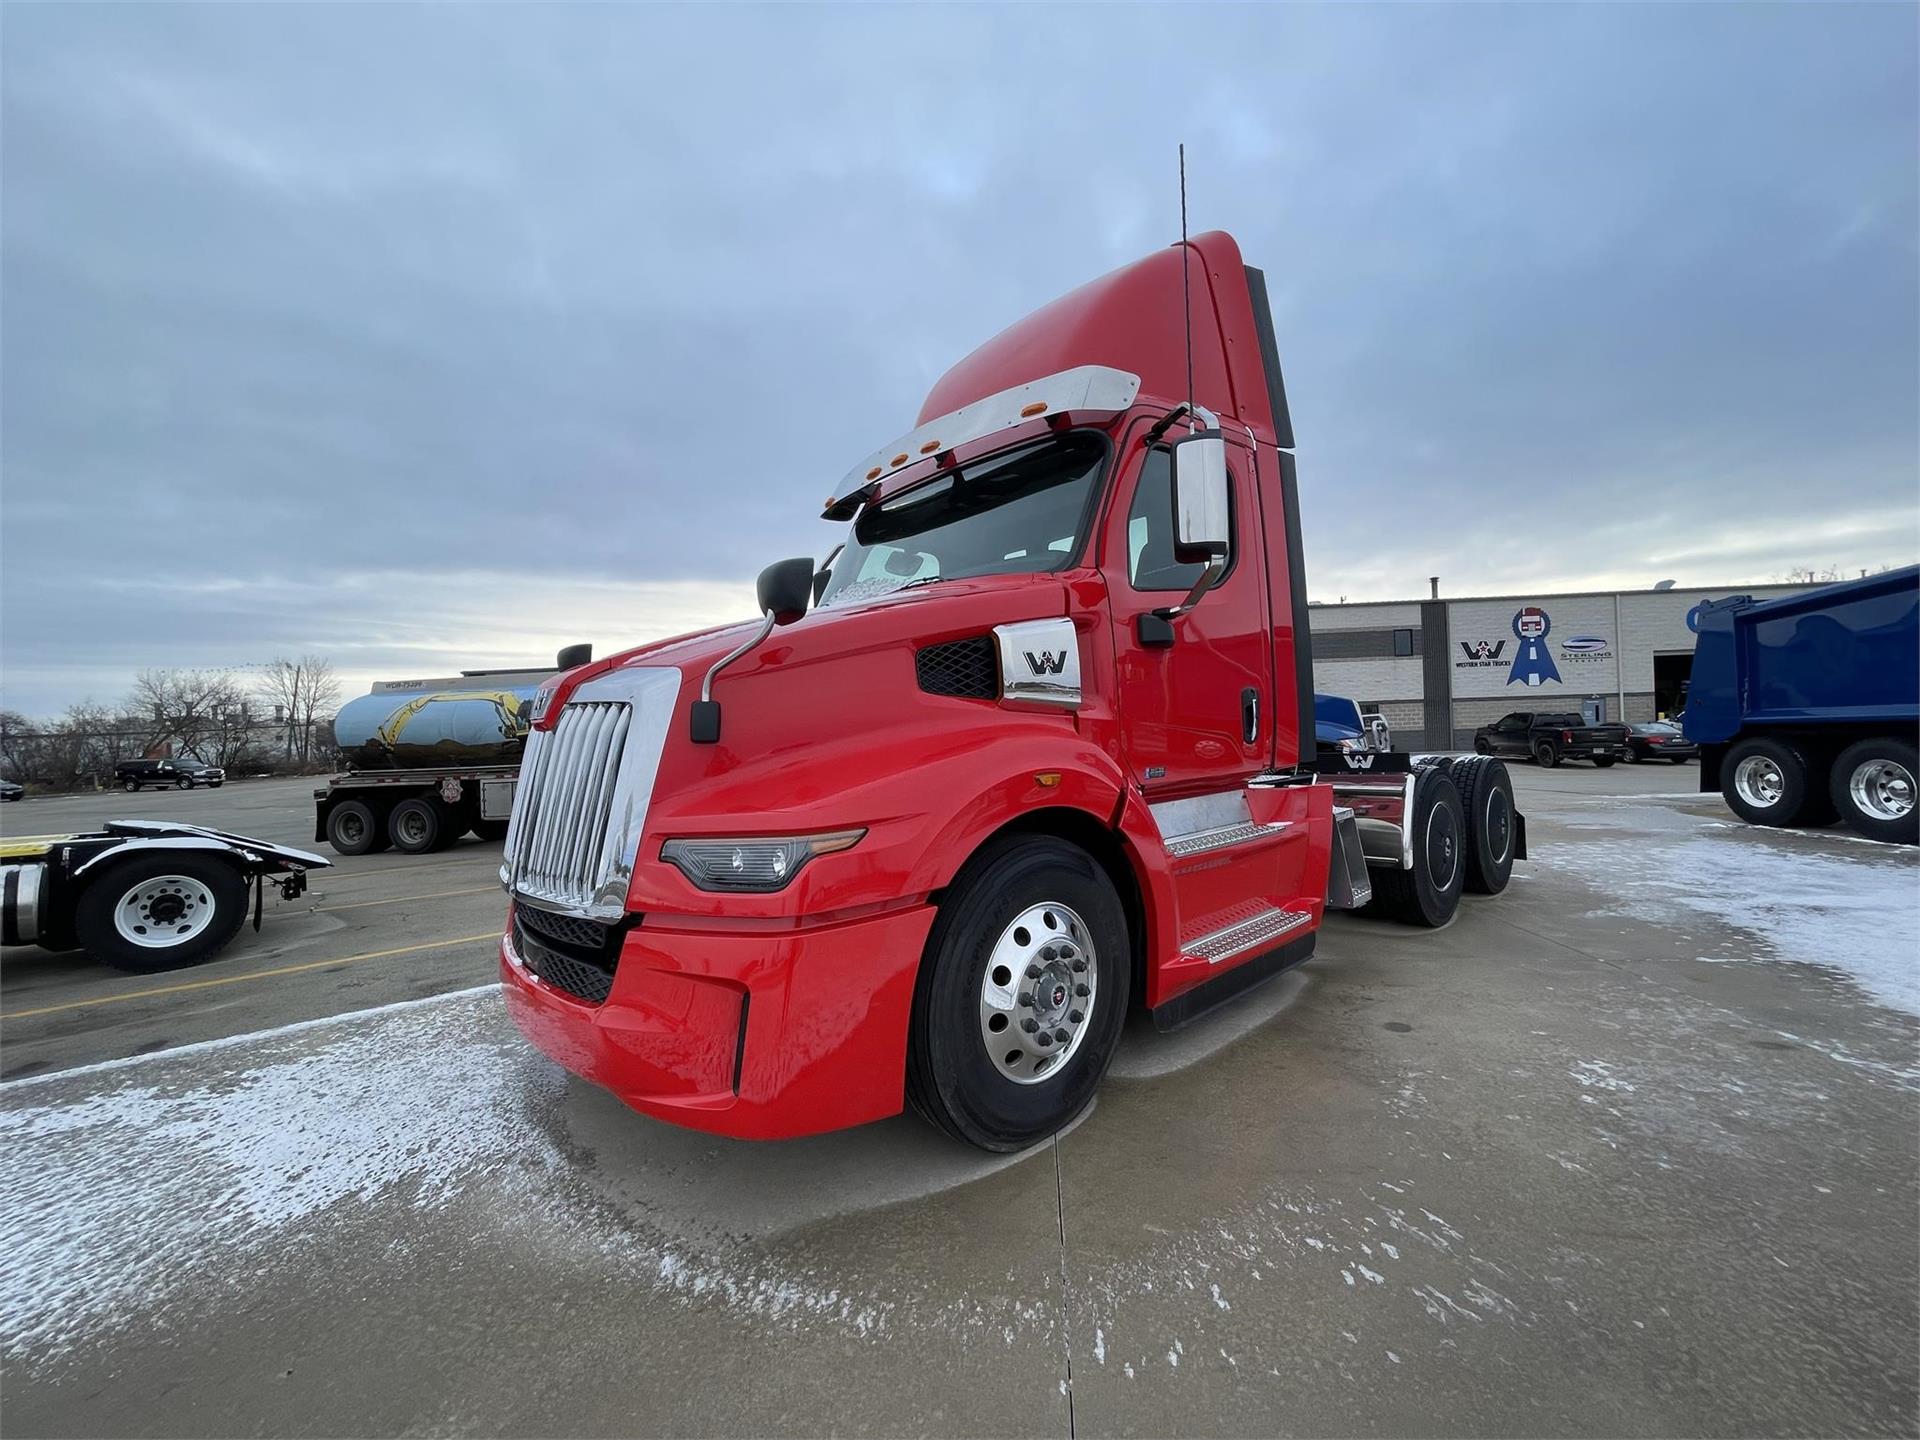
[(925, 809)]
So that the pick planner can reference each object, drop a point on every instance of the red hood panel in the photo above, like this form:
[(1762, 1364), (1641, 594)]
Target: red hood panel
[(1131, 319)]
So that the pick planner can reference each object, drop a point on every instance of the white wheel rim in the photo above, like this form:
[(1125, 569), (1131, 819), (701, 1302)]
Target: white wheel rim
[(1038, 993), (1882, 789), (1759, 782), (165, 911)]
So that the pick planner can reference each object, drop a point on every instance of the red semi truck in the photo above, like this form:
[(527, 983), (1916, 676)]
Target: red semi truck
[(1033, 751)]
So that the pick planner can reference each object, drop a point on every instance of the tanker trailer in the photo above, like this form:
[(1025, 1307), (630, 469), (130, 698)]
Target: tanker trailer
[(428, 760)]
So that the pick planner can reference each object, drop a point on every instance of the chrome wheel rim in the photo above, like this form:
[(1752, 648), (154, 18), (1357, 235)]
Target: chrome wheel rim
[(164, 911), (352, 828), (1882, 789), (1759, 781), (1038, 993), (412, 827)]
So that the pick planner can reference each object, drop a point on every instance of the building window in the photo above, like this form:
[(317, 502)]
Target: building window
[(1406, 642)]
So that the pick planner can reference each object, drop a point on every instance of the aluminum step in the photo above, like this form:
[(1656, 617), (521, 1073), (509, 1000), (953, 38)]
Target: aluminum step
[(1245, 935), (1219, 838)]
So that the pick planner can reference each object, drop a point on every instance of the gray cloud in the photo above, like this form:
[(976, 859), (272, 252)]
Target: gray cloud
[(424, 336)]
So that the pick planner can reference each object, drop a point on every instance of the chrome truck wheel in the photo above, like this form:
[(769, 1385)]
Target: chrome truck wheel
[(1873, 789), (1038, 992), (1760, 781), (160, 911), (1882, 790), (1766, 782), (1021, 993)]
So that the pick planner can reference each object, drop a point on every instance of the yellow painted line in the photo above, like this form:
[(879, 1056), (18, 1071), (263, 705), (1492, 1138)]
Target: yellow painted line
[(250, 975), (402, 899)]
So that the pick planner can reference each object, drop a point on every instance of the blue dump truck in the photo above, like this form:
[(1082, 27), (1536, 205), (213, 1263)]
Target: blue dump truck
[(1807, 709)]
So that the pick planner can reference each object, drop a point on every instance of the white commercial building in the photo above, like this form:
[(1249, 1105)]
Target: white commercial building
[(1438, 669)]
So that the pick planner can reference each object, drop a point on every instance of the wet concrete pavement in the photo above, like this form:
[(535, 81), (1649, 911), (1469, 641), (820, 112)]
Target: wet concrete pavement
[(1629, 1150)]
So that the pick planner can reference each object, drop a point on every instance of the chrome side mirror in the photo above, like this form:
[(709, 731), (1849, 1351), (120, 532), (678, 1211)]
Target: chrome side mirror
[(1202, 522)]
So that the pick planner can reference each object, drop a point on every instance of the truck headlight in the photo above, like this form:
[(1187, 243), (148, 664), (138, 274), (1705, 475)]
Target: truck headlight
[(759, 865), (1352, 744)]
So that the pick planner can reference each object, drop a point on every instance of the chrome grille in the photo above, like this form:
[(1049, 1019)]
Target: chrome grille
[(584, 788), (566, 791)]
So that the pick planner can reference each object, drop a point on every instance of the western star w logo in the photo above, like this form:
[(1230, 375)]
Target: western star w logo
[(1047, 662), (1481, 650)]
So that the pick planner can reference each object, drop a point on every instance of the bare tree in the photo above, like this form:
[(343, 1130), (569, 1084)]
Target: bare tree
[(300, 691), (16, 743), (1809, 575), (191, 709)]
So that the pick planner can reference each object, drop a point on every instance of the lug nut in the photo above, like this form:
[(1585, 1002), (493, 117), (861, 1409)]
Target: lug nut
[(1026, 998), (1030, 1025), (1082, 991), (1045, 1041), (1062, 1035), (1075, 1016), (1033, 972), (1079, 966)]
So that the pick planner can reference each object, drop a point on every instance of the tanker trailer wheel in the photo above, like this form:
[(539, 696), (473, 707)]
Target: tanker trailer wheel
[(353, 828), (1486, 806), (1021, 995), (161, 911), (1429, 893), (1764, 782), (421, 824), (490, 829), (1873, 789)]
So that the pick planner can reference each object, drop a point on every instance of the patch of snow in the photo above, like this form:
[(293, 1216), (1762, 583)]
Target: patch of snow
[(1854, 916)]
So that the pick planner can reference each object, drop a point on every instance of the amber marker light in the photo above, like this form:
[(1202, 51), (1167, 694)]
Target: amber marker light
[(1047, 779), (1038, 407)]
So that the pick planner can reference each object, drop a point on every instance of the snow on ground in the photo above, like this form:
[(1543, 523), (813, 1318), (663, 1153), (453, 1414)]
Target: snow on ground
[(1854, 913)]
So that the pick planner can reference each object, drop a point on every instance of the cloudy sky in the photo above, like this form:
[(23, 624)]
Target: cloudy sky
[(432, 337)]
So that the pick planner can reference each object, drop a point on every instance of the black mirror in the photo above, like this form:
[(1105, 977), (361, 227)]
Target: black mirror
[(784, 589), (573, 657), (1201, 519)]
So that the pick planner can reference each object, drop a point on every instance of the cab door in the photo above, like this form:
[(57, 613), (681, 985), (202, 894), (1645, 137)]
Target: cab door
[(1195, 716)]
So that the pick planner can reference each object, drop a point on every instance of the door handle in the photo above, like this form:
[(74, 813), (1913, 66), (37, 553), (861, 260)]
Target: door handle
[(1250, 714)]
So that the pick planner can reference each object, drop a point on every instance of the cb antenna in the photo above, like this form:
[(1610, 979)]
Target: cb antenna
[(1186, 299)]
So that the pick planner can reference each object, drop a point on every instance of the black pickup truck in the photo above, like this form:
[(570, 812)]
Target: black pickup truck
[(1548, 737)]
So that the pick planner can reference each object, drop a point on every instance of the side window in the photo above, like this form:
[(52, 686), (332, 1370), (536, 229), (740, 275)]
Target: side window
[(1150, 562), (1407, 642)]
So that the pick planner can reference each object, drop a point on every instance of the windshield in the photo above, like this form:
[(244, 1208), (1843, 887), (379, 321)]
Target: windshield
[(1014, 514)]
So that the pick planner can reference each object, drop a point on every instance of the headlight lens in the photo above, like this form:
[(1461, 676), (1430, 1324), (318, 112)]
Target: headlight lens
[(1353, 743), (758, 865)]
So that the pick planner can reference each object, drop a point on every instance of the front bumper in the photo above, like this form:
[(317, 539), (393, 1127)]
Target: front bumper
[(760, 1030)]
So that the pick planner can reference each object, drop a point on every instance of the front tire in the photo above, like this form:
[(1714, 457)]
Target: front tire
[(1031, 935), (1873, 789), (161, 911)]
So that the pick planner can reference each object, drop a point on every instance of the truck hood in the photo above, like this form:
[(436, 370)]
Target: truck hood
[(928, 614)]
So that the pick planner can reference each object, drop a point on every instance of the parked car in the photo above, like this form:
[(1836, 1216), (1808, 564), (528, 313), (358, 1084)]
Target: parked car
[(1660, 740), (11, 791), (131, 775), (1548, 737)]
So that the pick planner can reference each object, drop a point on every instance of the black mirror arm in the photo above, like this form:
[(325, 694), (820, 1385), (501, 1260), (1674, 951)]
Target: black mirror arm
[(703, 721)]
